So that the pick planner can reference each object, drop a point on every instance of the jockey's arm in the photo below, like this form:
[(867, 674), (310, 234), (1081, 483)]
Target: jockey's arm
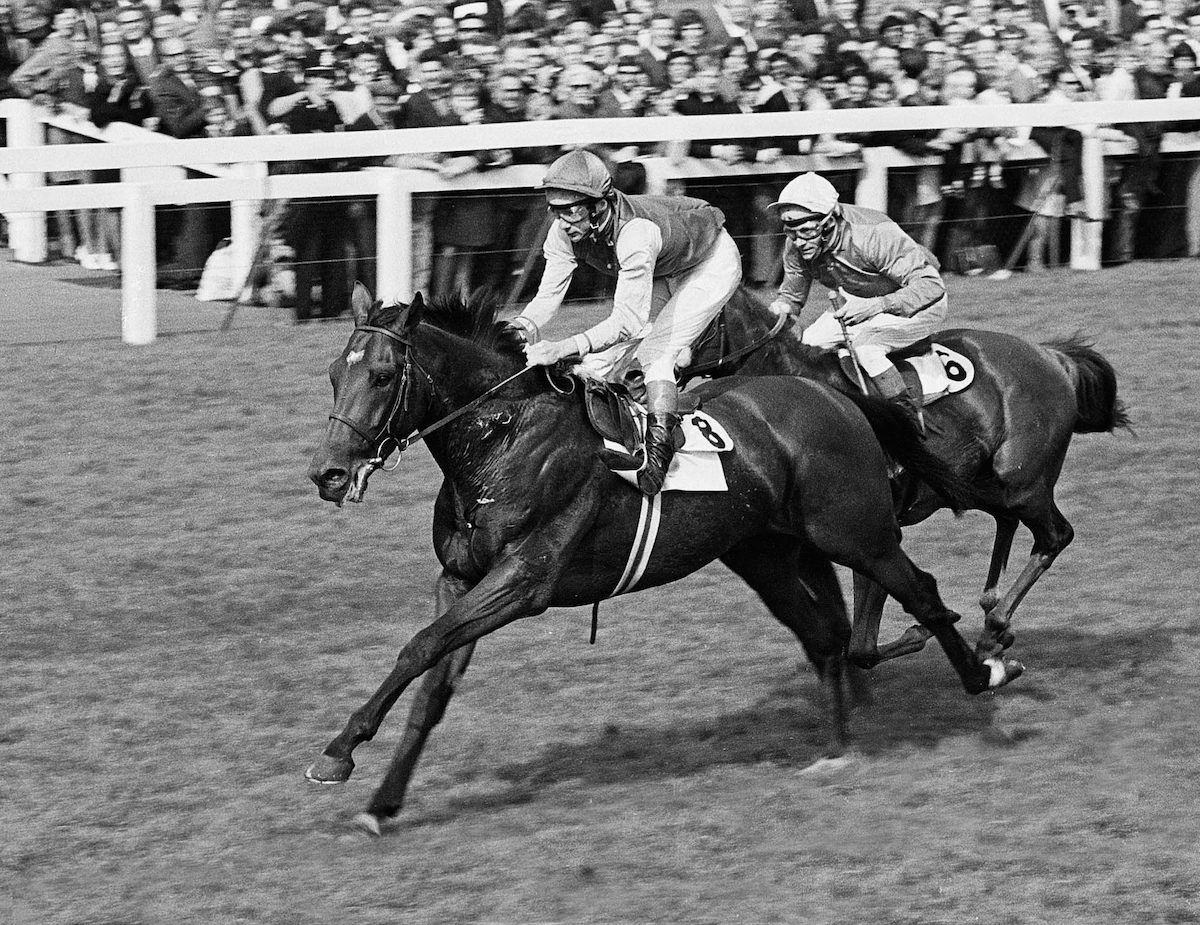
[(910, 266), (637, 247), (793, 292), (552, 289)]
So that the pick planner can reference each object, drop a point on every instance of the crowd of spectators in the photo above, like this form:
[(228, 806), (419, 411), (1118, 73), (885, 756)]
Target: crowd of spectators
[(196, 68)]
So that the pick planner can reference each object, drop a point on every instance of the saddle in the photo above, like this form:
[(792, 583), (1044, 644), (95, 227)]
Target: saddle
[(616, 412), (930, 370)]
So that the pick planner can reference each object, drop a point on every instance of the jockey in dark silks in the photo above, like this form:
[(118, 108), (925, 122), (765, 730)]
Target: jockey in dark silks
[(890, 287), (675, 266)]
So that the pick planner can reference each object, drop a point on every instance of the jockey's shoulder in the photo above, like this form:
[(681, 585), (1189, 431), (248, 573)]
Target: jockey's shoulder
[(865, 216)]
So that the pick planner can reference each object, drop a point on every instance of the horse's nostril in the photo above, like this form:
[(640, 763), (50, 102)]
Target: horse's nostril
[(331, 478)]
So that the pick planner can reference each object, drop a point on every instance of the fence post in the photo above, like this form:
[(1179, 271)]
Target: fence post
[(245, 222), (1087, 236), (872, 188), (26, 230), (394, 234), (139, 321)]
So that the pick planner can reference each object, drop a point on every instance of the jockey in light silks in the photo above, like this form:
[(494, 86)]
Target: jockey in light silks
[(675, 265), (891, 286)]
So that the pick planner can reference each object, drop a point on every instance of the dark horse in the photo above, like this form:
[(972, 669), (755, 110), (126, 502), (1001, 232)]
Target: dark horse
[(529, 516), (1007, 435)]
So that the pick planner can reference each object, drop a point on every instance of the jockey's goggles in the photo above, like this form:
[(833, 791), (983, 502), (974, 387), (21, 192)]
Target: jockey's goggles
[(572, 211), (808, 228)]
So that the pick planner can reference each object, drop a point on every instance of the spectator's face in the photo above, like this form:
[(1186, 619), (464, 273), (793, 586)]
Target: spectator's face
[(1175, 9), (366, 66), (857, 88), (814, 43), (133, 25), (692, 35), (980, 11), (360, 19), (1155, 28), (662, 31), (630, 77), (433, 76), (602, 51), (177, 59), (65, 19), (886, 61), (740, 11), (509, 93), (959, 86), (708, 78), (445, 29), (581, 86), (983, 54), (464, 100), (1184, 68), (679, 71), (953, 33), (1081, 52), (735, 64), (1068, 84), (113, 61), (845, 9), (882, 93)]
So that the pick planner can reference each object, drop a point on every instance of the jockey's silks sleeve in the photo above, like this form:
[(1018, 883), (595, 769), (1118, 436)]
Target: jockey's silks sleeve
[(638, 246), (556, 278), (796, 279)]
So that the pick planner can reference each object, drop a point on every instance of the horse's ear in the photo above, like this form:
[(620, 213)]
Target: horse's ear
[(415, 309), (360, 303)]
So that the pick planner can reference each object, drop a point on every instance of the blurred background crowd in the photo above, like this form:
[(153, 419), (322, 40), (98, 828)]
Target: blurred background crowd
[(197, 68)]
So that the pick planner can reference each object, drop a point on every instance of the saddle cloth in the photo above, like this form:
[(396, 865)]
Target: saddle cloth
[(696, 465), (939, 370)]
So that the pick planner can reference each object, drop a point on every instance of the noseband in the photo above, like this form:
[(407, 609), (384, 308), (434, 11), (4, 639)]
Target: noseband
[(385, 440)]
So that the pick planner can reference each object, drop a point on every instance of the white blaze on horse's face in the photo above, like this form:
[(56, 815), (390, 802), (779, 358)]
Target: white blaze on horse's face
[(355, 356)]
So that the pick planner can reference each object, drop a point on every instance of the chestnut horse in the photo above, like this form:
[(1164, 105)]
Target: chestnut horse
[(529, 516)]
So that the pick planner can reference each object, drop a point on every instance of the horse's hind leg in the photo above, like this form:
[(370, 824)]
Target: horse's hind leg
[(865, 651), (802, 592), (1052, 533), (917, 593), (1006, 529)]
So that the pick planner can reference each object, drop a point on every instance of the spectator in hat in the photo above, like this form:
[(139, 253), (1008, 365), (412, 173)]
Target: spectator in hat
[(317, 230), (693, 31)]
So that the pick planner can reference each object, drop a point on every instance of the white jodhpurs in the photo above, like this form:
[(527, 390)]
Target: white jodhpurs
[(681, 308), (876, 337)]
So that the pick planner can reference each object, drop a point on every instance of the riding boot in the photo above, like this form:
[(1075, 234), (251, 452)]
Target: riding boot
[(891, 386), (663, 435)]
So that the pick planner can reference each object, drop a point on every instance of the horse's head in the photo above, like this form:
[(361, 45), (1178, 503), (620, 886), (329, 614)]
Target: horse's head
[(380, 396)]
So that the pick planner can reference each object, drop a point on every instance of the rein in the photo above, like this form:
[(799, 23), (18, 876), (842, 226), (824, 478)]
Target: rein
[(385, 437), (749, 348)]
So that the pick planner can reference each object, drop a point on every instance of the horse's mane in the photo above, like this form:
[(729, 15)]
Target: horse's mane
[(473, 319)]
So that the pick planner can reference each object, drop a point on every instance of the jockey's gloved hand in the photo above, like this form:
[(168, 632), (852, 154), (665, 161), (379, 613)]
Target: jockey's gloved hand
[(549, 352), (782, 307), (516, 332), (855, 309)]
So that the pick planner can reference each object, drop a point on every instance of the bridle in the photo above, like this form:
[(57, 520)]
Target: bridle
[(385, 439)]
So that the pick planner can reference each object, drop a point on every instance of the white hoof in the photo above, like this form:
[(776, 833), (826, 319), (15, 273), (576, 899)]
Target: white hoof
[(828, 765), (368, 823)]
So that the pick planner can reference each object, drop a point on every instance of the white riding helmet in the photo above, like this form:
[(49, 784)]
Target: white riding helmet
[(809, 191)]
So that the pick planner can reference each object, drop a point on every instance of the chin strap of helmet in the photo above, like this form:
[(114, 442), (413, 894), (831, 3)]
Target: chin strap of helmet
[(597, 227)]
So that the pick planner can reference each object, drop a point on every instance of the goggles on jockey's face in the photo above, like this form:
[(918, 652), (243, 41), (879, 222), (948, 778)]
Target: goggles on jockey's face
[(808, 228), (571, 211)]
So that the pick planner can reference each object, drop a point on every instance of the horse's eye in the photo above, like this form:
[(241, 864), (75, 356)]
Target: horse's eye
[(382, 379)]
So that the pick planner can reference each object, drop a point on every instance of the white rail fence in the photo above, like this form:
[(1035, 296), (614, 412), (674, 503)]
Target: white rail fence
[(236, 171)]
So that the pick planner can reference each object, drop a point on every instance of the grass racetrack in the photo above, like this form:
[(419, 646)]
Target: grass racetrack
[(186, 625)]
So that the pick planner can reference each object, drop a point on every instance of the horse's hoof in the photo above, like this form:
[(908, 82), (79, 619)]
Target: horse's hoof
[(1003, 670), (369, 823), (329, 770)]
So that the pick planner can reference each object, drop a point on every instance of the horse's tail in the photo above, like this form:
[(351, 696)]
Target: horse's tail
[(1099, 410), (896, 434)]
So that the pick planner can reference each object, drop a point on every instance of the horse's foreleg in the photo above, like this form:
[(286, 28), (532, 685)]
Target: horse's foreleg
[(505, 594), (432, 698), (865, 651)]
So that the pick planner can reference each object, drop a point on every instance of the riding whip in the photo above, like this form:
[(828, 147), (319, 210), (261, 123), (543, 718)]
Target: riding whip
[(862, 383)]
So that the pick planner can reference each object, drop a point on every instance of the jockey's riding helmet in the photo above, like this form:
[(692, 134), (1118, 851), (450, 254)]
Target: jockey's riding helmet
[(577, 174), (809, 209), (810, 192)]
